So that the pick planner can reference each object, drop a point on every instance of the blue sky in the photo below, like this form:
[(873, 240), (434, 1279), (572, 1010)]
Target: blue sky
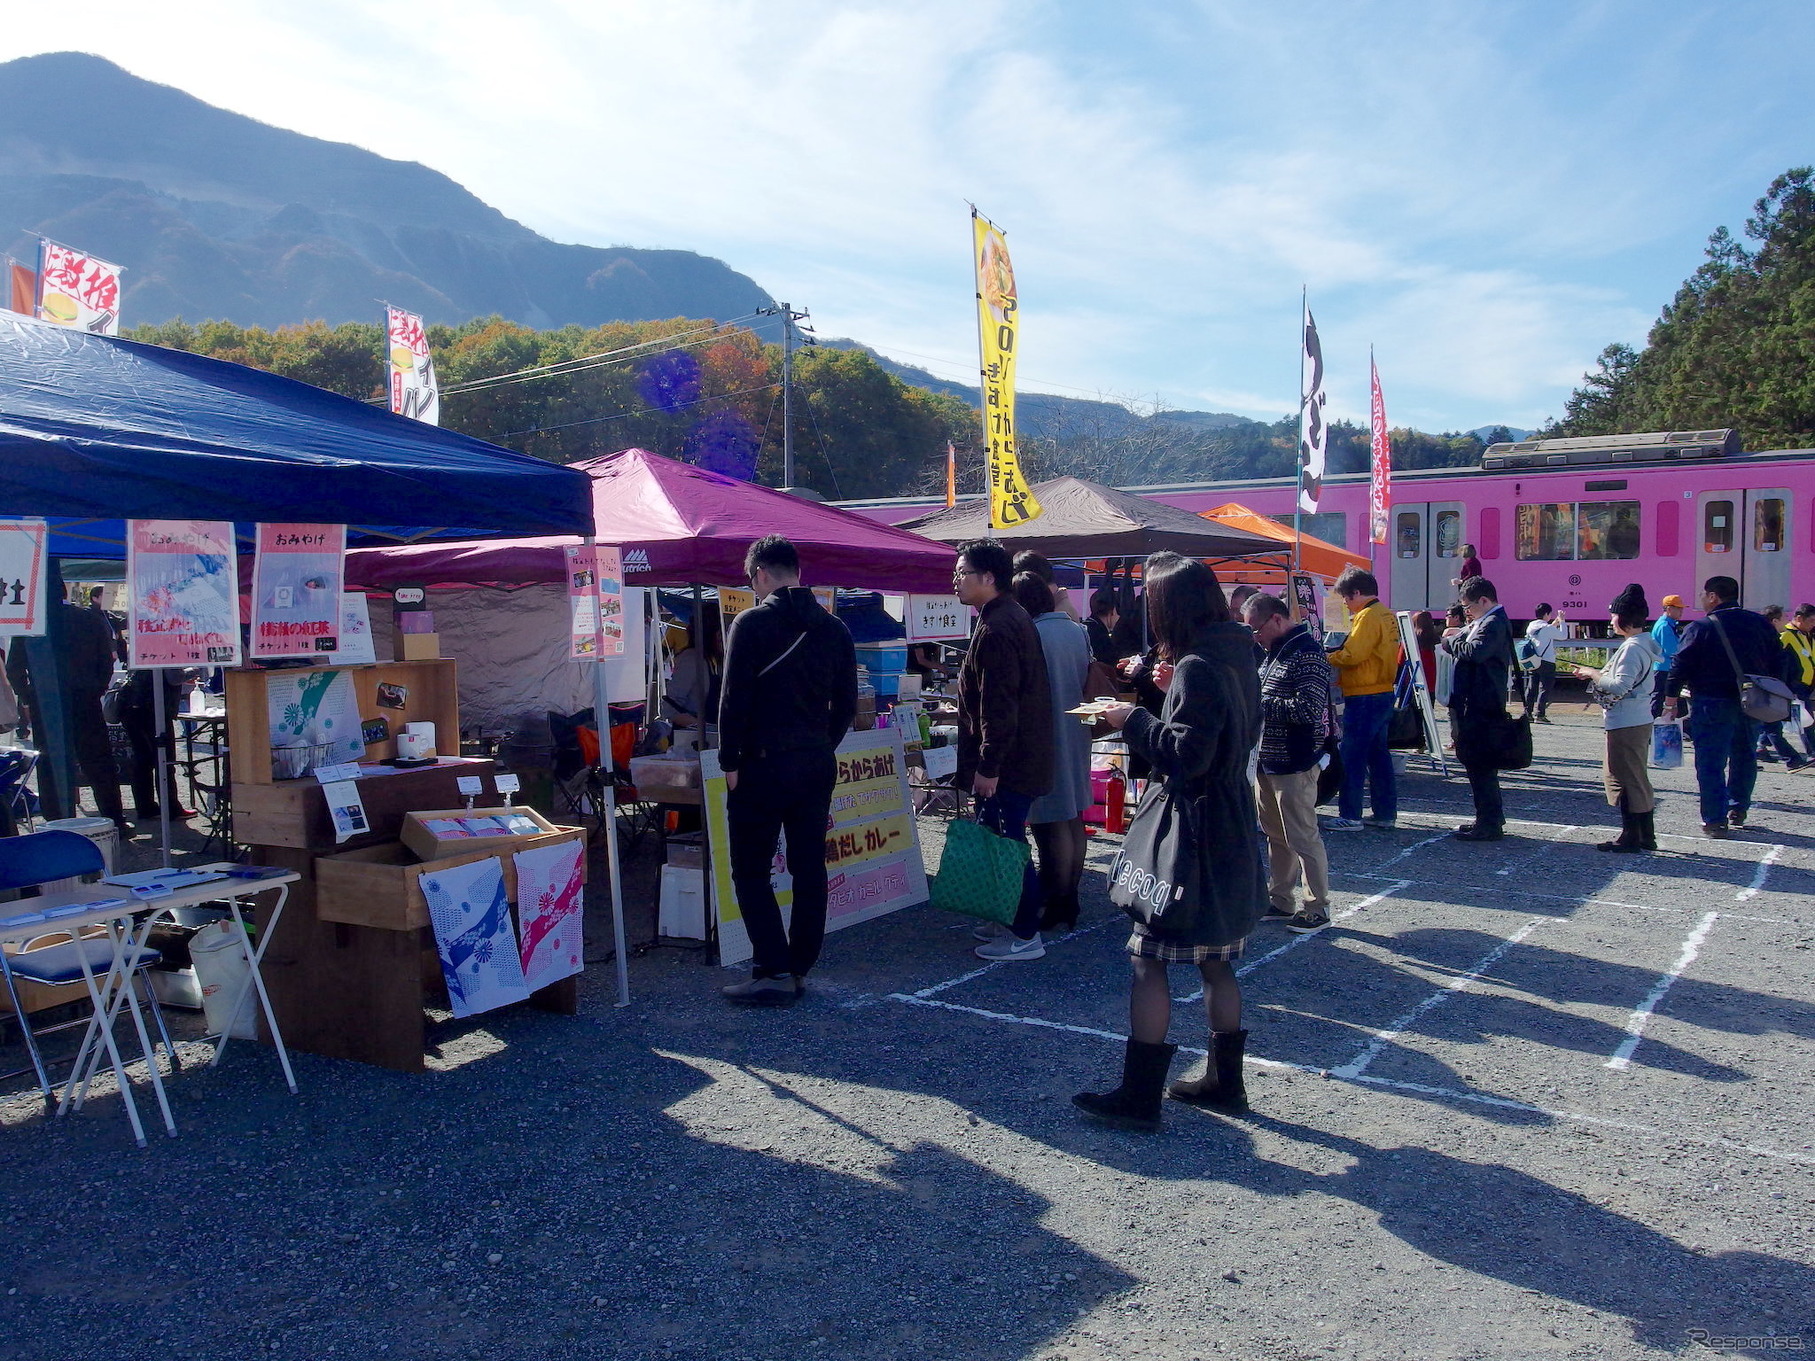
[(1487, 194)]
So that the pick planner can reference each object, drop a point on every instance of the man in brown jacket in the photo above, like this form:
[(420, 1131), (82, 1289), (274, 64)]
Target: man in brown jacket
[(1005, 731)]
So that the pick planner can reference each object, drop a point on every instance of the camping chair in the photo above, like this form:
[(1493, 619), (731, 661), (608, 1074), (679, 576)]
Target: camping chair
[(55, 958), (579, 786), (18, 804)]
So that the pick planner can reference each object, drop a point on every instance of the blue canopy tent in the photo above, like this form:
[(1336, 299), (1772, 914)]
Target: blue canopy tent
[(95, 431)]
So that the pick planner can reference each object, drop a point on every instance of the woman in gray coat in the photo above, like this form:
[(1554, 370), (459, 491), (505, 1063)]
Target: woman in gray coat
[(1056, 818)]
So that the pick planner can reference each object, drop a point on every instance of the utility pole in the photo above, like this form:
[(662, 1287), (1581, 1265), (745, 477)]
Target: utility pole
[(788, 341)]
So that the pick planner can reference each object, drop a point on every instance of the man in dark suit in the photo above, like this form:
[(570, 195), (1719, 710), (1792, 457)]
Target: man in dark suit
[(1726, 740), (1477, 702)]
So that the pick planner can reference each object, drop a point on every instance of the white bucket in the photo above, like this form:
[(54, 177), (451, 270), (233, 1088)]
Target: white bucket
[(101, 831), (219, 958)]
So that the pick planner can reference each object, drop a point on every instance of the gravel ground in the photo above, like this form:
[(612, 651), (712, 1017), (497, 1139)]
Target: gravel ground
[(1441, 1161)]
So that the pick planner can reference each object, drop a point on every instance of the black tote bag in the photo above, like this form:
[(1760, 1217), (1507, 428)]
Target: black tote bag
[(1155, 877)]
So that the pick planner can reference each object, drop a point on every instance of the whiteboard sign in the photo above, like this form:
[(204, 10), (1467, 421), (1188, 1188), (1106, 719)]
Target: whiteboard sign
[(22, 574), (936, 616)]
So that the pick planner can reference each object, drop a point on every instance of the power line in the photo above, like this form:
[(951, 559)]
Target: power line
[(644, 411), (719, 330)]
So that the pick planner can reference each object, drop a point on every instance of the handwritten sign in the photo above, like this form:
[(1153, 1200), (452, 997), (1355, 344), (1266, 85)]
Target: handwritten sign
[(22, 575), (184, 598), (296, 590), (931, 617)]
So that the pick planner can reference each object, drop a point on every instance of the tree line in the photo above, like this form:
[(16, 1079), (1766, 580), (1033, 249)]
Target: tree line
[(1734, 349), (713, 398)]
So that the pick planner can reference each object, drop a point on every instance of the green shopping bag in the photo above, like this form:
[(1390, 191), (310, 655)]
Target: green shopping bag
[(980, 873)]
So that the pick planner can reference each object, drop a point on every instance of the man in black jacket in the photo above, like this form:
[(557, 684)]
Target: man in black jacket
[(789, 694), (1296, 710), (1005, 732), (1726, 741), (1477, 702)]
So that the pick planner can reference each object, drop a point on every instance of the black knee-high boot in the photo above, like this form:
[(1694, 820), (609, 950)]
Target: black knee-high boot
[(1628, 840), (1136, 1103), (1221, 1087)]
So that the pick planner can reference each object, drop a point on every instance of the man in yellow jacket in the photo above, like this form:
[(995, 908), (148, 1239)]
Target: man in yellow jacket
[(1798, 639), (1366, 665)]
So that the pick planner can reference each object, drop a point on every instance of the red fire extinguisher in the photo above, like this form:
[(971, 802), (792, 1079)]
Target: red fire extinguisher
[(1115, 804)]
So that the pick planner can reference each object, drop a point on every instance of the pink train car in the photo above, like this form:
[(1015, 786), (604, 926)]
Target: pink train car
[(1565, 521)]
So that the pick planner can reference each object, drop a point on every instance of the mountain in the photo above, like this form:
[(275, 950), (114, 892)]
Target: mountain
[(1044, 414), (1513, 433), (216, 215)]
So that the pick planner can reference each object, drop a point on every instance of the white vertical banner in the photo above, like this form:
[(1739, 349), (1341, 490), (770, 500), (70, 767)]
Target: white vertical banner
[(78, 290), (23, 570), (1313, 435), (414, 392)]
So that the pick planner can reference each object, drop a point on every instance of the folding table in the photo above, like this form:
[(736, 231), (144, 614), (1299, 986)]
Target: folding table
[(128, 921)]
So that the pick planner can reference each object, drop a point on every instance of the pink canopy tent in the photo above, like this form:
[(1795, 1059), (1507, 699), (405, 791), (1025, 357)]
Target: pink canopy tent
[(678, 525)]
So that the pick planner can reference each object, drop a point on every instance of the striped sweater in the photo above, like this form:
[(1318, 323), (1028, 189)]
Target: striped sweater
[(1295, 684)]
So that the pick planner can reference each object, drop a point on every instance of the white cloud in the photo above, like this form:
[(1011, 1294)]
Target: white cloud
[(1488, 196)]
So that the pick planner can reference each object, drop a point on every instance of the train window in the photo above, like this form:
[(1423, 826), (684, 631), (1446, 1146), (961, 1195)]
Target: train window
[(1717, 527), (1408, 534), (1767, 525), (1607, 530), (1447, 538), (1546, 533)]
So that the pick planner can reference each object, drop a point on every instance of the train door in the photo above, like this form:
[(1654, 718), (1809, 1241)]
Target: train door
[(1766, 531), (1411, 557), (1746, 535), (1446, 531)]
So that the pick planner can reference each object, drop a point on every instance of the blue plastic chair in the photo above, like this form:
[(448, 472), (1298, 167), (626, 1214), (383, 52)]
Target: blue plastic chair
[(39, 858)]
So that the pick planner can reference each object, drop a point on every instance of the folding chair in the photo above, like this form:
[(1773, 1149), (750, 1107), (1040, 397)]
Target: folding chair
[(18, 804), (54, 959)]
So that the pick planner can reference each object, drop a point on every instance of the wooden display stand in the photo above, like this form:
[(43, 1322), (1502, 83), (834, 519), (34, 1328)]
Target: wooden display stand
[(339, 989)]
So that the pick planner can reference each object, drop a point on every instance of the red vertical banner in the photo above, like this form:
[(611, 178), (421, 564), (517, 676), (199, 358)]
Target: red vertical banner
[(1380, 485)]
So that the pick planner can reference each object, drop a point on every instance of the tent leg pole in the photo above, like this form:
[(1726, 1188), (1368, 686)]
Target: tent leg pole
[(163, 775), (601, 717)]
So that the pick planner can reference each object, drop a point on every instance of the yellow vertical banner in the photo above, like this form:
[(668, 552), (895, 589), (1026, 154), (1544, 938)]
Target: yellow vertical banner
[(1011, 502)]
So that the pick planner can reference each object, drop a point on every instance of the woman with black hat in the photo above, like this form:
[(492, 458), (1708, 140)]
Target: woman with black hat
[(1623, 690)]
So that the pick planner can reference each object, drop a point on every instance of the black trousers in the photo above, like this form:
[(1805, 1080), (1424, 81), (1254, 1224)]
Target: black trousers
[(787, 795), (1484, 784), (141, 733), (94, 754), (1532, 688)]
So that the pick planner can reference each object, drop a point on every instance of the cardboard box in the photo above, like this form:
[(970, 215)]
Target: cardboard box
[(380, 886), (416, 647), (440, 833)]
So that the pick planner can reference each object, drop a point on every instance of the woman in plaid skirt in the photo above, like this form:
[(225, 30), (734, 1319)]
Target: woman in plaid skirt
[(1202, 745)]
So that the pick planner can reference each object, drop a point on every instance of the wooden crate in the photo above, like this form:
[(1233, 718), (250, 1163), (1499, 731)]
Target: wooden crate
[(417, 835), (433, 696), (380, 886), (294, 813)]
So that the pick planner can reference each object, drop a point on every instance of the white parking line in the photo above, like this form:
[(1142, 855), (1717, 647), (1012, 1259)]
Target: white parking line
[(995, 964), (1387, 1083), (1641, 1014), (1382, 1038), (1415, 846), (1550, 897), (1298, 940), (1750, 891), (1525, 860)]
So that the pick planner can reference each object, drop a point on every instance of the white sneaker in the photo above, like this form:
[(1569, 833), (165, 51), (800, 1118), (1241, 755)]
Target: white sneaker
[(1012, 947), (990, 931), (1341, 825)]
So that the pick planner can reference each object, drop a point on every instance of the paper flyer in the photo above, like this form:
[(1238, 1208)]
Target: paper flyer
[(296, 590), (595, 599), (582, 600), (356, 648), (23, 567), (315, 709), (183, 597), (347, 808), (550, 894), (479, 957)]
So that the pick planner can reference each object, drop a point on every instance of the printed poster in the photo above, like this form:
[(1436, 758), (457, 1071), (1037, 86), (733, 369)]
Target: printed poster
[(183, 597), (317, 709), (356, 648), (550, 895), (872, 847), (473, 936), (297, 578), (414, 391), (23, 567), (1011, 501), (78, 290), (595, 601)]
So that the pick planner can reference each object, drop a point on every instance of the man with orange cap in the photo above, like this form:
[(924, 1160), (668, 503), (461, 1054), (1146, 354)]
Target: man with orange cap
[(1668, 633)]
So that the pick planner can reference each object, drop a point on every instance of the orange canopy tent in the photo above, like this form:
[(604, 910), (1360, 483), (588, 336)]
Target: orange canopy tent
[(1315, 555)]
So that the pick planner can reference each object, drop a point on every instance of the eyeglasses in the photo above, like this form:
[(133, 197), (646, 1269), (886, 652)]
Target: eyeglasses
[(961, 574)]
